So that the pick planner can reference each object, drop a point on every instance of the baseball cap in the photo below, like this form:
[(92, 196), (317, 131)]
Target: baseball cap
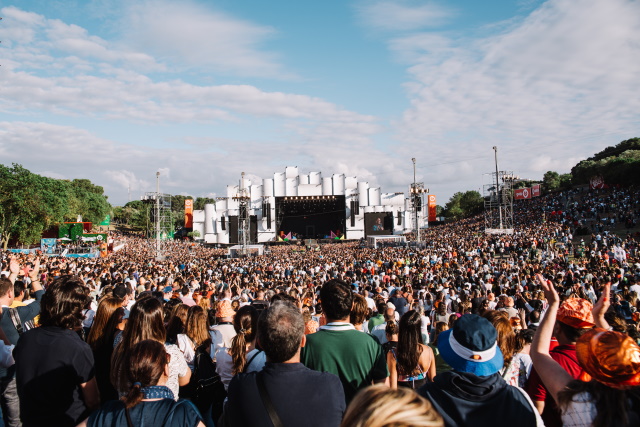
[(471, 346)]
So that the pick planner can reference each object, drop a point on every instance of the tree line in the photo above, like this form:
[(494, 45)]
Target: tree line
[(31, 203)]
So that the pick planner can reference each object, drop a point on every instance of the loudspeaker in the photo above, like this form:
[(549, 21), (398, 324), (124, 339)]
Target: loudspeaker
[(353, 215), (222, 223), (399, 219), (268, 215)]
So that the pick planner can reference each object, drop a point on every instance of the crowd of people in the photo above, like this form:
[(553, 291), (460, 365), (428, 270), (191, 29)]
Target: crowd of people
[(539, 327)]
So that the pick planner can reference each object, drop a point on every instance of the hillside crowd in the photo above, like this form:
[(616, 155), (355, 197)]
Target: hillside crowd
[(539, 327)]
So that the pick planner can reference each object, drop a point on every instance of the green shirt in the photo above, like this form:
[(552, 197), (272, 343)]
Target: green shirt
[(376, 320), (354, 356)]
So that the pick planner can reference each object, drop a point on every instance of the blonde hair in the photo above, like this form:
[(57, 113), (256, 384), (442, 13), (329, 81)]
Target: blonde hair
[(380, 406)]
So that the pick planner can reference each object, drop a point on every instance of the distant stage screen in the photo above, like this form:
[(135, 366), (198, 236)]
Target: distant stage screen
[(378, 223)]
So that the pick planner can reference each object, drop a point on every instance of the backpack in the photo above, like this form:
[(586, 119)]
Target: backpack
[(206, 384)]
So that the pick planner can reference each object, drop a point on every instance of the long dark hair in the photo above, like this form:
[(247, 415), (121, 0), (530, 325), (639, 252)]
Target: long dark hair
[(146, 322), (409, 340), (145, 365), (245, 323)]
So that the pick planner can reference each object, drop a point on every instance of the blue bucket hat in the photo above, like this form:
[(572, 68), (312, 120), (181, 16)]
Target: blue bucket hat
[(471, 346)]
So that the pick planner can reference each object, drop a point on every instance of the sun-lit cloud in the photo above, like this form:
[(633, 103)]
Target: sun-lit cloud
[(544, 87), (407, 15), (188, 35)]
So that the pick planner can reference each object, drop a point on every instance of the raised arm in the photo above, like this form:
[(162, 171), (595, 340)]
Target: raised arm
[(601, 307), (554, 377)]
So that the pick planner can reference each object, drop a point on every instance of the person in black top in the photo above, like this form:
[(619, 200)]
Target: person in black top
[(55, 373), (300, 396)]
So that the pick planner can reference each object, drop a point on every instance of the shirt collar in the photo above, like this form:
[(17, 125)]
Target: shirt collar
[(338, 326)]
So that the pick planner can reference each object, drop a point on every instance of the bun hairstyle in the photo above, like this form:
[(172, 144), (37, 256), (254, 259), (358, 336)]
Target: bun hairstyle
[(391, 328), (145, 365)]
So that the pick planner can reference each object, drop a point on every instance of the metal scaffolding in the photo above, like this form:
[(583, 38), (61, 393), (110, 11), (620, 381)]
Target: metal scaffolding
[(243, 199), (498, 202)]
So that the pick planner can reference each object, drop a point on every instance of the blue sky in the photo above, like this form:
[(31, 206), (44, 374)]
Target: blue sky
[(115, 90)]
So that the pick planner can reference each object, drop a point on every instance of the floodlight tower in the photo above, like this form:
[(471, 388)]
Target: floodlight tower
[(416, 191), (158, 253)]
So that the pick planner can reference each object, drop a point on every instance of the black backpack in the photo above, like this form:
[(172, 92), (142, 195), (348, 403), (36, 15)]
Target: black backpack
[(207, 390)]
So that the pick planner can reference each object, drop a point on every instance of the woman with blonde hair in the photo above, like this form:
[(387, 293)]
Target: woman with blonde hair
[(379, 406), (513, 363), (195, 334)]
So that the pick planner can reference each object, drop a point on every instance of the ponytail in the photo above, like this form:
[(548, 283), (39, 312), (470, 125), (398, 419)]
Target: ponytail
[(134, 396), (239, 351), (245, 323)]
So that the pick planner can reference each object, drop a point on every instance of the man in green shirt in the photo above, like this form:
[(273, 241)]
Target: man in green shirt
[(355, 357), (378, 319)]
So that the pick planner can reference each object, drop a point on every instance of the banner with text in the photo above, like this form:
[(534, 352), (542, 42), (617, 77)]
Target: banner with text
[(523, 193), (535, 190), (188, 213), (432, 207)]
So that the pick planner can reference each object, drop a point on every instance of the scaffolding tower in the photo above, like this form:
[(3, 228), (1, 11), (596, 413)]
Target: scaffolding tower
[(161, 219), (244, 230), (498, 202)]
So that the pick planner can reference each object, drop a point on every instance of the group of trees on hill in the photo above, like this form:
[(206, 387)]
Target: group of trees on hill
[(31, 203), (617, 165)]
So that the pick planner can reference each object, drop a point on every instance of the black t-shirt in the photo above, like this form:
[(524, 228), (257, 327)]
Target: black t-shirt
[(51, 364)]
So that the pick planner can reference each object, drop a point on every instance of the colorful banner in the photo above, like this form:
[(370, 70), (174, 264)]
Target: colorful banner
[(431, 205), (535, 190), (188, 213), (106, 221), (523, 193), (597, 182), (48, 246)]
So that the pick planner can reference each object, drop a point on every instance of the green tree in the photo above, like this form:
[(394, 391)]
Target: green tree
[(565, 181), (551, 180), (462, 205), (29, 204), (199, 203), (87, 200)]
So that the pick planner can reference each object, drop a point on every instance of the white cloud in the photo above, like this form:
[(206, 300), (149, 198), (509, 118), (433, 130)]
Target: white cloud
[(549, 83), (190, 35), (63, 69), (403, 16)]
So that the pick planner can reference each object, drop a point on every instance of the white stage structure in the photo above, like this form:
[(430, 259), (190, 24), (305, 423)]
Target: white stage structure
[(355, 200)]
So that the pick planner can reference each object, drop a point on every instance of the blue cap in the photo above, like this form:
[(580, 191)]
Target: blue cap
[(471, 346)]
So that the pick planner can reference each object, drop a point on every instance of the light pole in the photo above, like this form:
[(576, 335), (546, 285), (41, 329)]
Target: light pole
[(414, 197), (158, 215), (498, 195)]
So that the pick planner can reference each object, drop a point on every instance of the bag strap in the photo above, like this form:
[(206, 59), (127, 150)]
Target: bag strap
[(251, 360), (126, 414), (266, 400), (15, 319)]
